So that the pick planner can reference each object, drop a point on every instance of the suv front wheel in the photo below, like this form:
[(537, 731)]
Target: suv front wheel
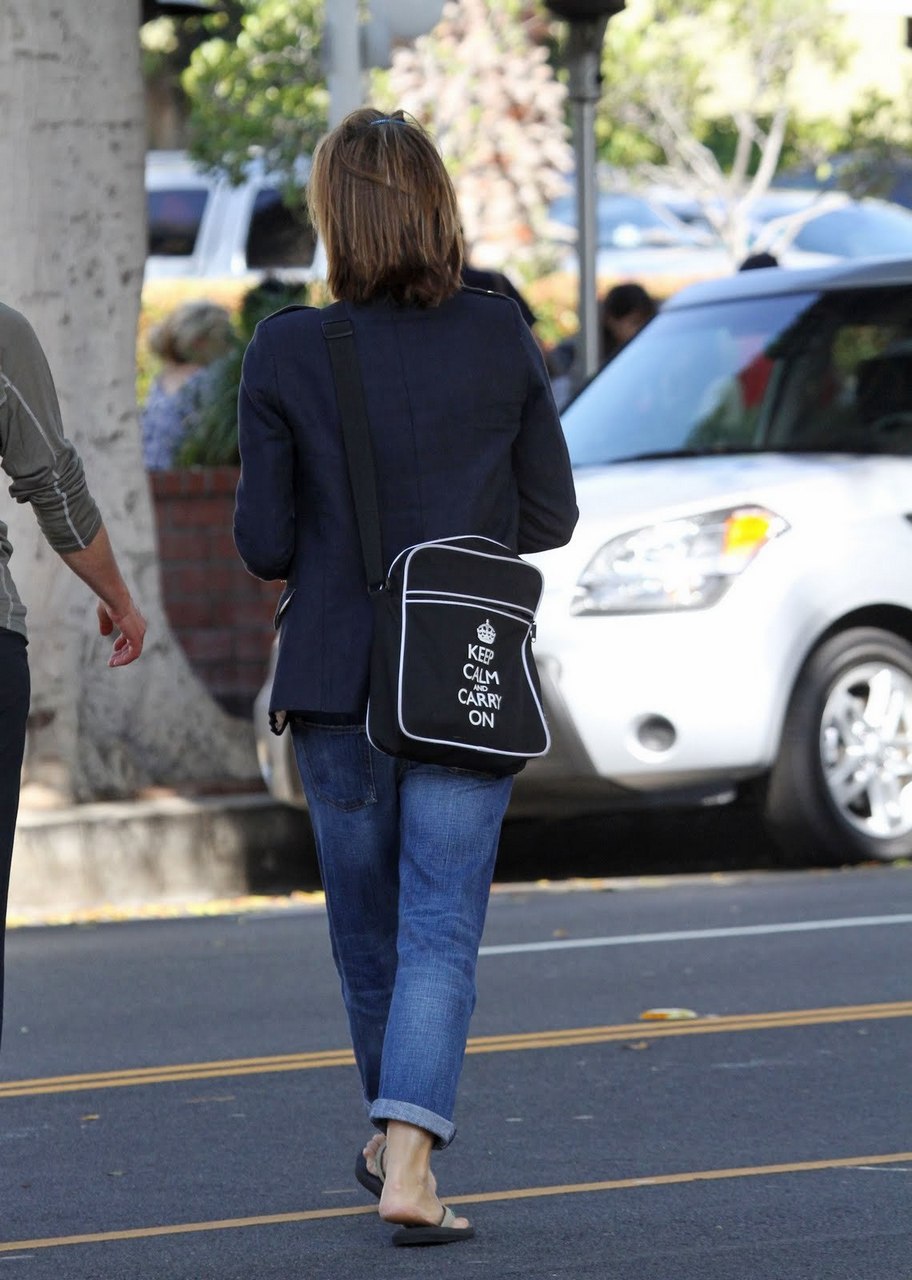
[(841, 786)]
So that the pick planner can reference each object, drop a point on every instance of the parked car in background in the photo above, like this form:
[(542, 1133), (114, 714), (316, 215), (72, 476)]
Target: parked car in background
[(806, 227), (201, 226), (858, 174), (734, 610), (829, 226), (638, 239)]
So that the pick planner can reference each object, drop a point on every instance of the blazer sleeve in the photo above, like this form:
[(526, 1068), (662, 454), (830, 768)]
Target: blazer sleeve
[(264, 515), (541, 463)]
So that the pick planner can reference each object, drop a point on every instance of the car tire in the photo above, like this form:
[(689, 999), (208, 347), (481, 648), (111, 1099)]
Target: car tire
[(841, 788)]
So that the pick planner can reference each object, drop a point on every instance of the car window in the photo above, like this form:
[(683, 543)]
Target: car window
[(174, 216), (698, 380), (279, 236), (847, 381)]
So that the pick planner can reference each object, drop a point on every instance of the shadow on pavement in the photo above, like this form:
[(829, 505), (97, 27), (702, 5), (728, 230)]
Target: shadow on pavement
[(568, 843), (636, 843)]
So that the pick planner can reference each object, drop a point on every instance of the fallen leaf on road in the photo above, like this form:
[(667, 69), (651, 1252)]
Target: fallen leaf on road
[(667, 1015)]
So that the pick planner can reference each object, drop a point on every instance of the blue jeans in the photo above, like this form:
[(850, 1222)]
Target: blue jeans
[(407, 855)]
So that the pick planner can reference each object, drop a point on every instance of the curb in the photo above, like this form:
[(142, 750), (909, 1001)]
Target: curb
[(124, 854)]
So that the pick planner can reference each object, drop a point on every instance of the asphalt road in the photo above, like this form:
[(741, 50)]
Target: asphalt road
[(208, 1117)]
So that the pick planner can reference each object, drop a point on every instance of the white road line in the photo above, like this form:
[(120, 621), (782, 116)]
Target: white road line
[(696, 935)]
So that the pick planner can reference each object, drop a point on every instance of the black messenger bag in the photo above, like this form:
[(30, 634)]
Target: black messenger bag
[(452, 676)]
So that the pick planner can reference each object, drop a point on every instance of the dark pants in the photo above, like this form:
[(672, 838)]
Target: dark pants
[(14, 705)]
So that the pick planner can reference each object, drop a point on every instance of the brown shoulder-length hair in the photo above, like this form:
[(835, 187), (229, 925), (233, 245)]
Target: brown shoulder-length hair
[(385, 208)]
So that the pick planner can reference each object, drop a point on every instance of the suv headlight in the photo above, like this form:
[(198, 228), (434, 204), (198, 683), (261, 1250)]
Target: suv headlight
[(679, 564)]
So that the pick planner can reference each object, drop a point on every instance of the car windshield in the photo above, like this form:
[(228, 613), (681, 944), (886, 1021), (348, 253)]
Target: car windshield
[(279, 236), (797, 372)]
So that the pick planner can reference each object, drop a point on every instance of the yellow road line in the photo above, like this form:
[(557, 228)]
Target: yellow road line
[(478, 1044), (487, 1197)]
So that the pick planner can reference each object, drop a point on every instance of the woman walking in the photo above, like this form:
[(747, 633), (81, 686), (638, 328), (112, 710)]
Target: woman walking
[(466, 440)]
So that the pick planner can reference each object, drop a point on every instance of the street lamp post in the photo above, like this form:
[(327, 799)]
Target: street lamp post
[(343, 60), (352, 45), (588, 20)]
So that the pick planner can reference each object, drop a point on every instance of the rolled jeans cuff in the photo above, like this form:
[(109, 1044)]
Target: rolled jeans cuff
[(383, 1110)]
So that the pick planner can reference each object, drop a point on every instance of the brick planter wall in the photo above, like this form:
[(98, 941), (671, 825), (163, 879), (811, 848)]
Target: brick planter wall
[(221, 615)]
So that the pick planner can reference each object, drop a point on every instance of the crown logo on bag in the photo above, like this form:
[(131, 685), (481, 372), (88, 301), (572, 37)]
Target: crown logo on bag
[(486, 633)]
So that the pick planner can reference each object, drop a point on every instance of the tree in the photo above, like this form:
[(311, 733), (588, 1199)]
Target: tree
[(482, 83), (166, 48), (861, 155), (661, 63), (71, 258), (263, 94)]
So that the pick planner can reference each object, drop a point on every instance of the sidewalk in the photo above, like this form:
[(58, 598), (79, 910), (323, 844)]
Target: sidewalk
[(126, 854)]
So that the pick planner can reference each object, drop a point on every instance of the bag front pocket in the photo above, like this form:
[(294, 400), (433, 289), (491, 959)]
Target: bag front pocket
[(466, 676)]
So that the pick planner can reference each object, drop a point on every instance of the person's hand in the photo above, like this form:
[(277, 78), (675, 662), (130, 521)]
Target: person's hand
[(132, 627)]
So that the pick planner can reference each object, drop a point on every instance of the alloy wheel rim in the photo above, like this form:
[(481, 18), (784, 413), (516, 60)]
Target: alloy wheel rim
[(866, 749)]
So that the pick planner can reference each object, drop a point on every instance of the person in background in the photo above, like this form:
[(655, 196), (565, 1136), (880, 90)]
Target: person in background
[(466, 439), (188, 342), (47, 473), (625, 310), (210, 437), (756, 261), (497, 282)]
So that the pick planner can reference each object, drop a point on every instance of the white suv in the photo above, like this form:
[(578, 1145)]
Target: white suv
[(735, 606), (202, 226)]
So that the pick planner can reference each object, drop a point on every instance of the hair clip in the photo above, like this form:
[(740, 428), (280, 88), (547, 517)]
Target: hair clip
[(388, 120)]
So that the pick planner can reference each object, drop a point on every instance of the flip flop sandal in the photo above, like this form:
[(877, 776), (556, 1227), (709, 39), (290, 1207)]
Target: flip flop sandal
[(372, 1182), (443, 1233)]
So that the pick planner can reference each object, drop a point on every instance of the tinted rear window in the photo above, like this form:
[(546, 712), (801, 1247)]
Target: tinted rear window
[(279, 236), (174, 218)]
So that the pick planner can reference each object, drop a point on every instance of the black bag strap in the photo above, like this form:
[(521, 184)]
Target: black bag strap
[(359, 453)]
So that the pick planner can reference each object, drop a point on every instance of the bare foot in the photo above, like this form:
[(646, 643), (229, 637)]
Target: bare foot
[(413, 1205), (410, 1194), (375, 1159), (372, 1155)]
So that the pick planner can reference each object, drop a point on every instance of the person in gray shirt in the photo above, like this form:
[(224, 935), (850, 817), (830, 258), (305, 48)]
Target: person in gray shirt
[(46, 472)]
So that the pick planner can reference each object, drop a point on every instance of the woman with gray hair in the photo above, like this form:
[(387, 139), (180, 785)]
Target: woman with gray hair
[(187, 342)]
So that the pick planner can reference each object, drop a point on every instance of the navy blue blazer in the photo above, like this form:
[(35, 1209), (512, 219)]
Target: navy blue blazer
[(466, 439)]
